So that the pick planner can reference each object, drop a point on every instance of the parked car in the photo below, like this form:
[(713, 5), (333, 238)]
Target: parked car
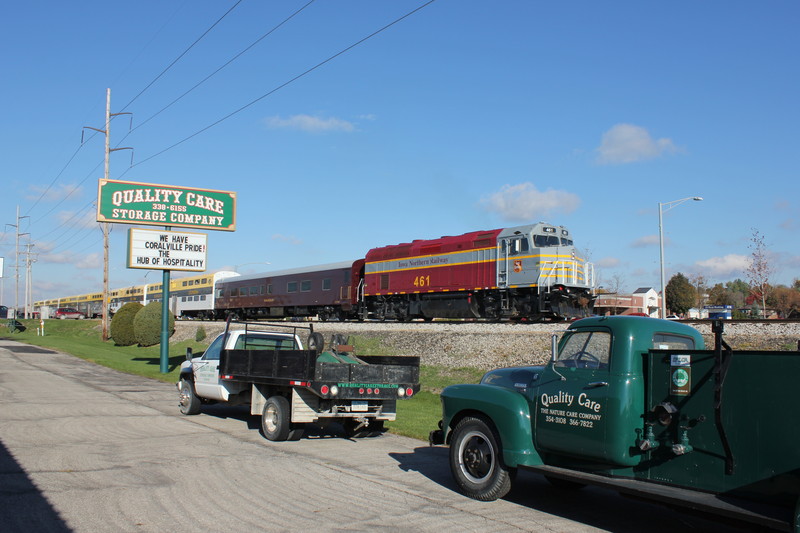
[(69, 312), (673, 317)]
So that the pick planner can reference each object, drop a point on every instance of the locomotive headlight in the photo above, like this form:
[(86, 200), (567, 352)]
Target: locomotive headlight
[(334, 390), (401, 392)]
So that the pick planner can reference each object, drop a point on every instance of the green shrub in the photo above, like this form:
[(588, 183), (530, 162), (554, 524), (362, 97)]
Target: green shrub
[(200, 335), (122, 324), (147, 324)]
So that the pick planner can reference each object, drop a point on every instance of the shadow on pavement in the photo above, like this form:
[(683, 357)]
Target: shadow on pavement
[(430, 461), (22, 507), (599, 508)]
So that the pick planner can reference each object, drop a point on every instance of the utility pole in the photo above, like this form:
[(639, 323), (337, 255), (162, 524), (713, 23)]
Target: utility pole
[(105, 226), (16, 260), (29, 280)]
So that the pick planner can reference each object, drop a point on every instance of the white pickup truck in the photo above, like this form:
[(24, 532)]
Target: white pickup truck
[(290, 386)]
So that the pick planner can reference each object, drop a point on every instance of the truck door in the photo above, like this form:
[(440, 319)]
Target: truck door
[(579, 402), (206, 372)]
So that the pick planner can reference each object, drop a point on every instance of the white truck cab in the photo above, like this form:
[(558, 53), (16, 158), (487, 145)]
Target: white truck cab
[(205, 369)]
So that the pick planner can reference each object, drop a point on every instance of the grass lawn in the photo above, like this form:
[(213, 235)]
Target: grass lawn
[(415, 417)]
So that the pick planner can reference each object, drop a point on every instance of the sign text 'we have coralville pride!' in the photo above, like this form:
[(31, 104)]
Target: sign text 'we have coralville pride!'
[(165, 205), (167, 250)]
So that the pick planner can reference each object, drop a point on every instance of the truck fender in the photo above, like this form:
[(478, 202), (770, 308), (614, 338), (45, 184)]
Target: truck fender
[(506, 409)]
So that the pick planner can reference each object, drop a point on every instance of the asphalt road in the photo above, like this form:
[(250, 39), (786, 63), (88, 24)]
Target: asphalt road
[(88, 449)]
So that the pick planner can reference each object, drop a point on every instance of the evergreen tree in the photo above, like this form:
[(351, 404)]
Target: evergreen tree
[(680, 294)]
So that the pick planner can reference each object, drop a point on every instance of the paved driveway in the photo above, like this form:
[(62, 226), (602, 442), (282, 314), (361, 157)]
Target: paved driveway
[(85, 448)]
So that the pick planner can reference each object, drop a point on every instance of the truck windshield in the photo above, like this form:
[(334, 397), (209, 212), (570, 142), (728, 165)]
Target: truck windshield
[(585, 349)]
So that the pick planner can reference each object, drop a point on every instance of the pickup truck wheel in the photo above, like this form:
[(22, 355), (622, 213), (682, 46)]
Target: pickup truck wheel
[(476, 463), (275, 419), (187, 399)]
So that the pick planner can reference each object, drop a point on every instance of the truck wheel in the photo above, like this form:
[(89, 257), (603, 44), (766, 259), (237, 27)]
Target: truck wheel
[(276, 420), (476, 463), (187, 399)]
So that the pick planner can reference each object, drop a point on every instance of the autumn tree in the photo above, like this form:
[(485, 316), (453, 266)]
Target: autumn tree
[(720, 295), (759, 271), (679, 294), (785, 300), (738, 290)]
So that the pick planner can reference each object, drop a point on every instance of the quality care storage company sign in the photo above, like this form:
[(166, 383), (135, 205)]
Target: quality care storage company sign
[(165, 205), (167, 250)]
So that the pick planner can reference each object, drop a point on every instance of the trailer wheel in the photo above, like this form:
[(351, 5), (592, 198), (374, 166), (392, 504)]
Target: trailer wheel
[(276, 419), (187, 399), (476, 463)]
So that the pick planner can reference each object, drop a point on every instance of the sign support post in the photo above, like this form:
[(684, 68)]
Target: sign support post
[(165, 321)]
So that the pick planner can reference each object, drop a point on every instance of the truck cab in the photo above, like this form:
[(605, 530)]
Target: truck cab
[(204, 370), (638, 405)]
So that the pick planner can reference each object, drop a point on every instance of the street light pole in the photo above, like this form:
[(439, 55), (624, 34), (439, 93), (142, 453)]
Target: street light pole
[(669, 205)]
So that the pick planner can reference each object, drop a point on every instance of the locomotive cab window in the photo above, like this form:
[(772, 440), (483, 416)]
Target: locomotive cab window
[(543, 241), (517, 246)]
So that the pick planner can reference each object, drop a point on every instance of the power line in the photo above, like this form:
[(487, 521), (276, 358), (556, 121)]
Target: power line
[(234, 58), (181, 55), (279, 87), (53, 182)]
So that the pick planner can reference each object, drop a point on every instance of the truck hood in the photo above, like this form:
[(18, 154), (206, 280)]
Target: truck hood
[(515, 378)]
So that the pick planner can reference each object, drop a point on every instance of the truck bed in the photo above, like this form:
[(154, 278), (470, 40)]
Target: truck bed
[(284, 366)]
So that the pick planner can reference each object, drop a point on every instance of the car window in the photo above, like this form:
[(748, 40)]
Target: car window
[(585, 349), (214, 349)]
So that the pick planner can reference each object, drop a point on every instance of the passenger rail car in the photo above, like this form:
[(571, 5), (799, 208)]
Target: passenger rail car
[(326, 291)]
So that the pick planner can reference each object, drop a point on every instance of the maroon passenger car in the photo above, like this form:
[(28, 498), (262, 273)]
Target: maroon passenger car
[(327, 291)]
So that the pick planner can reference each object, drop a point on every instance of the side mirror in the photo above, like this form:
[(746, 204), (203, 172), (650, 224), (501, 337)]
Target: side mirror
[(188, 354), (553, 348)]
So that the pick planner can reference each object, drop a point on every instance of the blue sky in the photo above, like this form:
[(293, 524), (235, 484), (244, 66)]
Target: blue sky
[(463, 116)]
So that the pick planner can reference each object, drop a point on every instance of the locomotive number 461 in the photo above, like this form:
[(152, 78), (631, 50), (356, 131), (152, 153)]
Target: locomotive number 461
[(422, 281)]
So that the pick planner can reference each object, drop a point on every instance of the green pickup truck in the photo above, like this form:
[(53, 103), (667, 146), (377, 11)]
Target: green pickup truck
[(638, 405)]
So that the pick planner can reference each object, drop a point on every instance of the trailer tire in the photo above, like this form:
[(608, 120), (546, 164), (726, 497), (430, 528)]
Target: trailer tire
[(476, 462), (187, 399), (276, 419)]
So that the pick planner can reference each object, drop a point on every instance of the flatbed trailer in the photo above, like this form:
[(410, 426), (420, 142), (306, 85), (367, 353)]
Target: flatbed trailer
[(289, 385)]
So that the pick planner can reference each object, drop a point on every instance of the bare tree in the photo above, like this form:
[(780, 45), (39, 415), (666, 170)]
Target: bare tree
[(760, 270), (700, 284)]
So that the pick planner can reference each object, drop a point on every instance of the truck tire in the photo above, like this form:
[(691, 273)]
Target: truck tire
[(187, 399), (276, 419), (476, 462)]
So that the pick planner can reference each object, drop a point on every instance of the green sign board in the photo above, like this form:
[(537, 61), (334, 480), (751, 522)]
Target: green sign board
[(129, 202)]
